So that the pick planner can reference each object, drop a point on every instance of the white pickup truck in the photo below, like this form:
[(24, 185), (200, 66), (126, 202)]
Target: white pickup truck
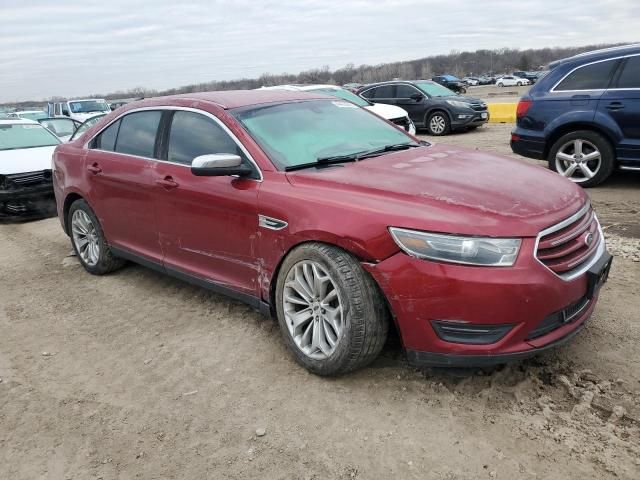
[(79, 110)]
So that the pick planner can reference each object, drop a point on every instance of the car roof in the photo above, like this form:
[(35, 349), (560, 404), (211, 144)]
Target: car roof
[(393, 82), (234, 98), (595, 55), (299, 87)]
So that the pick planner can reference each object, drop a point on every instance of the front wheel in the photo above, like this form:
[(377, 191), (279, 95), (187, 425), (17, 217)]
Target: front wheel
[(89, 241), (501, 84), (331, 313), (438, 124), (584, 157), (519, 84)]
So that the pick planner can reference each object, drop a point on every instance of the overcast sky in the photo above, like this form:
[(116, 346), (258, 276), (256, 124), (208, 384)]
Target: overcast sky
[(70, 48)]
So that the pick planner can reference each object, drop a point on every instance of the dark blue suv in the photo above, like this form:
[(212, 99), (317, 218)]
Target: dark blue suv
[(584, 115)]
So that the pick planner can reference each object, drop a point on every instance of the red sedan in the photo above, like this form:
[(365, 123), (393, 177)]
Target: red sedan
[(339, 224)]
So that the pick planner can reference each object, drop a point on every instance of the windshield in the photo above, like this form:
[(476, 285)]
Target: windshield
[(302, 132), (344, 94), (33, 115), (17, 135), (62, 127), (86, 106), (434, 89), (86, 125)]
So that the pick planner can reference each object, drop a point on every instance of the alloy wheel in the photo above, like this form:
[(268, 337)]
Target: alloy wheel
[(578, 160), (437, 124), (313, 310), (85, 238)]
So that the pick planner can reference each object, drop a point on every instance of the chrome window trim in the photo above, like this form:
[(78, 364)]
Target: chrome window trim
[(553, 89), (176, 108), (573, 274)]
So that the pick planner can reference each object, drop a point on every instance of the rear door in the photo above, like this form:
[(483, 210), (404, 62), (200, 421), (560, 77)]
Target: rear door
[(381, 94), (208, 226), (621, 103), (119, 165), (580, 90)]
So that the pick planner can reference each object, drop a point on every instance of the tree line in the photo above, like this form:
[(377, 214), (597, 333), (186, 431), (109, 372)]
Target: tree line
[(479, 62)]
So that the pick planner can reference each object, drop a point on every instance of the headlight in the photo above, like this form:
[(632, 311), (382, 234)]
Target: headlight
[(494, 252), (456, 103)]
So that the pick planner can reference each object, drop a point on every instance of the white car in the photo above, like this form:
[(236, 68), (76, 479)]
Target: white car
[(29, 114), (471, 81), (511, 81), (392, 113), (79, 110), (26, 148)]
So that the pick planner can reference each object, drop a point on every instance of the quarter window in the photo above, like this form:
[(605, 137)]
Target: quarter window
[(137, 135), (193, 134), (630, 77), (107, 139), (590, 77)]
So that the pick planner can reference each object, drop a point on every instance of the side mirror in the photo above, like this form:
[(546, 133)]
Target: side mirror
[(219, 165), (416, 97)]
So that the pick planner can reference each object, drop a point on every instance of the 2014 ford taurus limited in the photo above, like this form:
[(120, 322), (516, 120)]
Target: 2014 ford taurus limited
[(339, 224)]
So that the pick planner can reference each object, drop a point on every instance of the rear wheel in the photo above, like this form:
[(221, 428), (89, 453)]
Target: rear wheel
[(438, 124), (500, 84), (331, 313), (584, 157), (89, 242)]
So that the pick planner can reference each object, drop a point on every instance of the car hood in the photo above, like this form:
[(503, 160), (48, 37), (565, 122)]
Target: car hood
[(81, 117), (464, 98), (25, 160), (387, 112), (448, 189)]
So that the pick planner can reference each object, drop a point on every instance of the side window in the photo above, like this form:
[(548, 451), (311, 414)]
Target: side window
[(590, 77), (137, 135), (65, 110), (384, 91), (193, 134), (630, 77), (405, 91), (107, 139)]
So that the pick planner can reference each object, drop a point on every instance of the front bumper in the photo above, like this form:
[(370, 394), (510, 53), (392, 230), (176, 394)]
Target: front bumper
[(27, 202), (468, 118), (420, 292)]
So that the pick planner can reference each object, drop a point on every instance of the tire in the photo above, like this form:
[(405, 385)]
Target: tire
[(501, 84), (463, 90), (439, 127), (364, 319), (589, 142), (519, 84), (101, 260)]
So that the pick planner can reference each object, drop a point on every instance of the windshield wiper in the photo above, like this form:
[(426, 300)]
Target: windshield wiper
[(351, 157)]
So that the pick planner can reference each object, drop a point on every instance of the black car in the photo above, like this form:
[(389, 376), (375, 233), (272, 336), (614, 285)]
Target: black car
[(430, 105), (451, 82)]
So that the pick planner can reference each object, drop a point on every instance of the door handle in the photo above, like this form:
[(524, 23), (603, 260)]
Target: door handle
[(168, 183), (615, 106), (94, 168)]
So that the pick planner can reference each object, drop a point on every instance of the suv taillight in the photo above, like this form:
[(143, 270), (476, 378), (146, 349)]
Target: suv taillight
[(523, 106)]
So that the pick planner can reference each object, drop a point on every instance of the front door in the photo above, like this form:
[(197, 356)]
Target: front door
[(412, 100), (118, 166), (208, 226)]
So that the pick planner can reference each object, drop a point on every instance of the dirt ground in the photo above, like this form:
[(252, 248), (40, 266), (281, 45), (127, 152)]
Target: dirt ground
[(137, 375)]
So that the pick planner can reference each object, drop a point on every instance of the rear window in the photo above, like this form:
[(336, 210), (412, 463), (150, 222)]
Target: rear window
[(14, 136), (630, 77), (384, 91), (590, 77)]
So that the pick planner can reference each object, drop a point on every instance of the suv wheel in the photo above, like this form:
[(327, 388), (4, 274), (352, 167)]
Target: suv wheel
[(89, 242), (330, 311), (584, 157), (438, 124)]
